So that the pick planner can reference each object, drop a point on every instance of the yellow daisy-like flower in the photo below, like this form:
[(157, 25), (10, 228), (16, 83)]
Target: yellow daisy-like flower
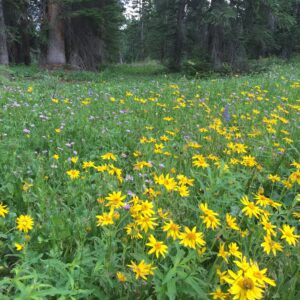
[(222, 253), (210, 217), (183, 180), (222, 276), (115, 200), (139, 165), (19, 247), (169, 183), (262, 200), (183, 190), (211, 221), (55, 156), (157, 247), (204, 208), (172, 230), (142, 270), (121, 277), (249, 161), (199, 161), (274, 178), (268, 226), (73, 174), (105, 219), (288, 234), (146, 223), (250, 208), (259, 275), (242, 263), (219, 295), (109, 156), (295, 177), (74, 159), (88, 164), (24, 223), (146, 208), (234, 250), (296, 164), (231, 222), (243, 287), (270, 245), (191, 238), (3, 210)]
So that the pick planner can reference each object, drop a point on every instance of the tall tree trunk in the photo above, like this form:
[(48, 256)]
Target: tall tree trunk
[(142, 11), (56, 43), (25, 38), (178, 41), (3, 45), (216, 47), (216, 39)]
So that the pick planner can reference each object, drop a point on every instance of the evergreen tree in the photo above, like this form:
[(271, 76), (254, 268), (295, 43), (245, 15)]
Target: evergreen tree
[(215, 34)]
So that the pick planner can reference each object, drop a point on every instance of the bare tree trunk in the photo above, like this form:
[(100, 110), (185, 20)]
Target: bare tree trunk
[(179, 35), (24, 32), (56, 43), (216, 47), (216, 40), (142, 12), (3, 45)]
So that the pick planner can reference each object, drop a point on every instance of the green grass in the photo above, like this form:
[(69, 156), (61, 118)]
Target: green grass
[(67, 255)]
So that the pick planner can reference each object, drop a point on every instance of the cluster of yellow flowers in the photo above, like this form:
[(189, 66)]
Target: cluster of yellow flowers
[(109, 168), (247, 282), (24, 223)]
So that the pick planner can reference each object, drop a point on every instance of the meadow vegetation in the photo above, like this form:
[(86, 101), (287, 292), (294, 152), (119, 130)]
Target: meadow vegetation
[(137, 183)]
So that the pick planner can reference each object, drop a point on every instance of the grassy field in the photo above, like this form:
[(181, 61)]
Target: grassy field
[(135, 183)]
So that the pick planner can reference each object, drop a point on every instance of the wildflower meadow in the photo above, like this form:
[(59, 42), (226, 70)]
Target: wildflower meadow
[(150, 186)]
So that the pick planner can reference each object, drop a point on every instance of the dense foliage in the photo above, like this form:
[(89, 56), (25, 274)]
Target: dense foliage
[(89, 31), (190, 35), (212, 34)]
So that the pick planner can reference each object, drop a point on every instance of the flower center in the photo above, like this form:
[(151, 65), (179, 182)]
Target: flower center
[(191, 236), (251, 206), (247, 284), (158, 246)]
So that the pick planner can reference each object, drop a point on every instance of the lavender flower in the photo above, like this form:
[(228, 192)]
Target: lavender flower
[(25, 130), (226, 113), (126, 206)]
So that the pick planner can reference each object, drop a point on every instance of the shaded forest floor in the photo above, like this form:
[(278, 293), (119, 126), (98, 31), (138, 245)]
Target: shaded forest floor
[(133, 182)]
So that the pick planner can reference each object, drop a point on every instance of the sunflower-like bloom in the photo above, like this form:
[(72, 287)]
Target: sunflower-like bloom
[(142, 270), (250, 208), (191, 238), (157, 247), (24, 223), (288, 234)]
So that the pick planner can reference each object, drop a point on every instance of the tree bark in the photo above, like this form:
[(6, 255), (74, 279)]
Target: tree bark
[(3, 44), (216, 40), (56, 43), (179, 35), (25, 38)]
